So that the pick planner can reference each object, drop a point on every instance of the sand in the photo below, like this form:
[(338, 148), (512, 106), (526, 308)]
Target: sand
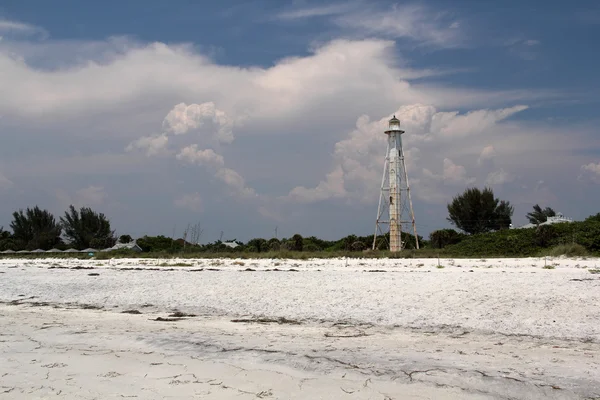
[(286, 329)]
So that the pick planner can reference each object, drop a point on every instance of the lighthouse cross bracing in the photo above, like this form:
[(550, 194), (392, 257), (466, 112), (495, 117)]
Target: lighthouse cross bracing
[(395, 205)]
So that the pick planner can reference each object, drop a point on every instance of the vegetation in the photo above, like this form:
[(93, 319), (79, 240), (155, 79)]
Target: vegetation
[(480, 216), (476, 211), (86, 228), (35, 228), (538, 216)]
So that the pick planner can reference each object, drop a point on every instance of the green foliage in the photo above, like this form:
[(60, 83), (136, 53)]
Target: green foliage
[(476, 211), (125, 239), (297, 243), (445, 237), (593, 218), (258, 245), (6, 240), (545, 235), (159, 244), (35, 228), (539, 215), (569, 250), (87, 228), (503, 243)]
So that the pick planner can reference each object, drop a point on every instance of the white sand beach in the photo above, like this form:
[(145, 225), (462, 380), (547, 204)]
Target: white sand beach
[(290, 329)]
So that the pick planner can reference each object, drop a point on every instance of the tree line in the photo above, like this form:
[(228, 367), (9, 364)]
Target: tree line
[(36, 228), (472, 212)]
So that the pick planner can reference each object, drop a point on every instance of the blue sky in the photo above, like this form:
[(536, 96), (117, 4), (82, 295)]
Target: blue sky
[(255, 114)]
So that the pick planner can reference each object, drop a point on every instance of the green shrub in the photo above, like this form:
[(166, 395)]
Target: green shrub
[(569, 250)]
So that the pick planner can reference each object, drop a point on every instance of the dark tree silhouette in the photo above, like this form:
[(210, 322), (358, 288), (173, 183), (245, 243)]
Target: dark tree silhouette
[(125, 239), (87, 228), (475, 211), (35, 228), (539, 215), (297, 242)]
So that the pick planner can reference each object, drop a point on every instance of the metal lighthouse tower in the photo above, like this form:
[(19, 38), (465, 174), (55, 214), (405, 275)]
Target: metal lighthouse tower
[(394, 198)]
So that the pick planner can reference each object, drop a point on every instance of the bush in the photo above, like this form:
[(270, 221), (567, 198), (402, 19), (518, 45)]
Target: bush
[(445, 237), (569, 250)]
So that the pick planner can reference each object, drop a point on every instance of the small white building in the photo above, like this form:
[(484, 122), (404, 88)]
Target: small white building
[(557, 219), (126, 246)]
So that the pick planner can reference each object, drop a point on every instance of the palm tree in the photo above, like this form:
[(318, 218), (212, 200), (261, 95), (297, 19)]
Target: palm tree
[(539, 215), (87, 228), (35, 228)]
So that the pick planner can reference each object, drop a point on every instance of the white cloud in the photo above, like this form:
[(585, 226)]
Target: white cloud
[(413, 21), (206, 157), (332, 187), (498, 178), (358, 159), (320, 11), (148, 76), (235, 182), (451, 125), (183, 118), (152, 145), (127, 91), (531, 42), (19, 28), (488, 153), (191, 202), (456, 174), (592, 171), (593, 168)]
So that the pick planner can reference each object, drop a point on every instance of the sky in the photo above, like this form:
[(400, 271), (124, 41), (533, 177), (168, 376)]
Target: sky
[(252, 116)]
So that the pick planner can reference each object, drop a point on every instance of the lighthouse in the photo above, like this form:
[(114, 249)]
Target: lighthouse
[(395, 210)]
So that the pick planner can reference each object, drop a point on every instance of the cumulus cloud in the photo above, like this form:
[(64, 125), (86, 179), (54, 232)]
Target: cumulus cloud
[(488, 153), (126, 91), (591, 171), (591, 167), (151, 145), (455, 174), (192, 201), (183, 118), (331, 187), (206, 157), (235, 182), (358, 158)]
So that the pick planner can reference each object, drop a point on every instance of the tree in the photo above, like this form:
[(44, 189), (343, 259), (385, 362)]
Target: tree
[(159, 243), (257, 245), (274, 244), (6, 240), (86, 227), (445, 237), (125, 239), (35, 228), (538, 216), (476, 211), (297, 243)]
